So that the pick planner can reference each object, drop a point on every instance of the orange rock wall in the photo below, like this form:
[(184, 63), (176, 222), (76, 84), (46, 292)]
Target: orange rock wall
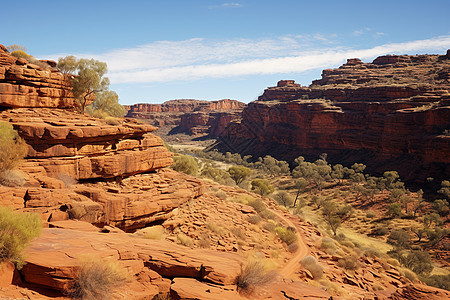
[(183, 106), (391, 112), (23, 84)]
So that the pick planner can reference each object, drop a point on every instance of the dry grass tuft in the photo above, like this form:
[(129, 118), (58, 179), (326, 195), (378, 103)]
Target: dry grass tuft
[(98, 279), (310, 264), (254, 274)]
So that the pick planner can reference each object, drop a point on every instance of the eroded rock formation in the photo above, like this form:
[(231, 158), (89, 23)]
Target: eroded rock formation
[(194, 117), (390, 114), (23, 84)]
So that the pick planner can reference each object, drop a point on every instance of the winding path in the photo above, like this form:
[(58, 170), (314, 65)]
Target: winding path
[(293, 265)]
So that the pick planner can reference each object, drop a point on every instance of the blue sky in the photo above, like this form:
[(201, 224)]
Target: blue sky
[(173, 49)]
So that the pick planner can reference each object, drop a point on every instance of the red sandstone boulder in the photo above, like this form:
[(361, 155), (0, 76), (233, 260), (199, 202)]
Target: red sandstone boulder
[(65, 247)]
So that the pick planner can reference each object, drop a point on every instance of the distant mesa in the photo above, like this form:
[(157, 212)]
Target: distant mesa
[(194, 117), (390, 114)]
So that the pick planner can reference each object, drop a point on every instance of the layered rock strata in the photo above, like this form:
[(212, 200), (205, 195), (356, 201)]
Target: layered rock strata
[(391, 113), (194, 117), (23, 84), (62, 142)]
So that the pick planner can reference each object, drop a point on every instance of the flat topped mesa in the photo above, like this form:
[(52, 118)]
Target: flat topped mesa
[(292, 83)]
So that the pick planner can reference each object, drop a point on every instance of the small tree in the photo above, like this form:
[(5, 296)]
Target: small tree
[(15, 47), (334, 216), (338, 173), (89, 79), (262, 187), (239, 173), (106, 104), (283, 198), (300, 185), (441, 207)]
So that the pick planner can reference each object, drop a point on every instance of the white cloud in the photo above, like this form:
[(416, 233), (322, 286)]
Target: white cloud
[(226, 5), (194, 59)]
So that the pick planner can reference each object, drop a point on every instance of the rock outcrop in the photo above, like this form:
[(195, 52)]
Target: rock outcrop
[(82, 147), (23, 84), (140, 256), (78, 166), (182, 106), (392, 113)]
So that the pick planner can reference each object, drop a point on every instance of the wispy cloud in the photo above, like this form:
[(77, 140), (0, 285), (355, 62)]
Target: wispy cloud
[(227, 5), (361, 31), (194, 59)]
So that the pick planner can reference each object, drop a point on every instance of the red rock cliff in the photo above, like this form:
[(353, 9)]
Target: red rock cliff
[(183, 106), (23, 84), (391, 113)]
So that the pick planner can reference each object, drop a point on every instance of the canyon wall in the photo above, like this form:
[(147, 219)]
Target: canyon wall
[(193, 117), (393, 113)]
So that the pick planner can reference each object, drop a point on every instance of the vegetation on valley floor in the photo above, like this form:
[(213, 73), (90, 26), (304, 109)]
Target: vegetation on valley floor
[(404, 219)]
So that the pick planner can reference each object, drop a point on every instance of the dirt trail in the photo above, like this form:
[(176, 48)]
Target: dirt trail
[(294, 263)]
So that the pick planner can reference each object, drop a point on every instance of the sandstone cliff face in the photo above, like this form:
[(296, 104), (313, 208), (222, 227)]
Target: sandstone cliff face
[(194, 117), (23, 84), (391, 113), (183, 106)]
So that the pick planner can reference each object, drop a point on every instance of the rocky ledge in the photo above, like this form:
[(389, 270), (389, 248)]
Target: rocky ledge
[(23, 84), (62, 142)]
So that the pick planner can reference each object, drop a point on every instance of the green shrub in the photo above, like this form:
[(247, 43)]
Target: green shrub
[(221, 195), (12, 148), (238, 233), (186, 164), (97, 279), (380, 230), (292, 248), (439, 281), (16, 232), (310, 264), (269, 226), (370, 214), (22, 54), (216, 228), (287, 235), (252, 275), (262, 187)]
